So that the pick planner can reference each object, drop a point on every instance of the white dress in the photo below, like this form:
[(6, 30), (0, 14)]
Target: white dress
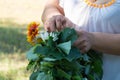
[(94, 19)]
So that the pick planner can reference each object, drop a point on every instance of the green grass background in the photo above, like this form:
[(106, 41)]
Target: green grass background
[(13, 48)]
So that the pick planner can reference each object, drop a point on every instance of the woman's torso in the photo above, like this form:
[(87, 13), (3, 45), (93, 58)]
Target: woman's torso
[(92, 19)]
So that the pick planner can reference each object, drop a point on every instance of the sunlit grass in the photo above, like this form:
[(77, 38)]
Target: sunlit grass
[(13, 67)]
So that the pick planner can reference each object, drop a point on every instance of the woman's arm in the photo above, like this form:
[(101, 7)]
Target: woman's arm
[(52, 8), (106, 42), (53, 17), (103, 42)]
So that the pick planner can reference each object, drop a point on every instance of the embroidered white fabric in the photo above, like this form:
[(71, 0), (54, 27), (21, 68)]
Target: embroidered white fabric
[(97, 20)]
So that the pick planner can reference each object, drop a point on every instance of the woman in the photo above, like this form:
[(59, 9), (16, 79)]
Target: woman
[(97, 23)]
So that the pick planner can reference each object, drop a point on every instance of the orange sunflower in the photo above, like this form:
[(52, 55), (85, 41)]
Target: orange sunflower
[(32, 32)]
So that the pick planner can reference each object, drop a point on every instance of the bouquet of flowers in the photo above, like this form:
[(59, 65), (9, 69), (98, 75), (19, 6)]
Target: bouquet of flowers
[(53, 56)]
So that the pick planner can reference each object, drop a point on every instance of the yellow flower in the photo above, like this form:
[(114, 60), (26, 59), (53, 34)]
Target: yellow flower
[(32, 32)]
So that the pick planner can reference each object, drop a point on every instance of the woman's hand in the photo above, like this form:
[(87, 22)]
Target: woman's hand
[(58, 22), (84, 41)]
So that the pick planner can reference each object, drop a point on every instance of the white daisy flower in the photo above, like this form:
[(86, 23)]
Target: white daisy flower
[(43, 35), (54, 36)]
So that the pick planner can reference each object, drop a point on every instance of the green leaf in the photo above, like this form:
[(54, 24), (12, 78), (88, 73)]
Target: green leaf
[(49, 52), (74, 54), (47, 64), (63, 74), (34, 75), (30, 54), (43, 50), (95, 55), (57, 55), (31, 65), (71, 66), (87, 69), (96, 59), (96, 77), (86, 57), (43, 76), (98, 68), (50, 42), (77, 77), (68, 34), (91, 77), (49, 59), (65, 47)]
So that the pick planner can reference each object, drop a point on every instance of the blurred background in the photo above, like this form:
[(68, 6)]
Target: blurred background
[(14, 17)]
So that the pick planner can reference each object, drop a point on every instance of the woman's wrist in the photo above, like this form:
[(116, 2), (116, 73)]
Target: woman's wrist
[(92, 40)]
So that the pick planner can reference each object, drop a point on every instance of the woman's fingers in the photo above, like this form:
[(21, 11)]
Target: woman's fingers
[(50, 25), (84, 42), (79, 41), (81, 44), (83, 47), (46, 26), (57, 22)]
